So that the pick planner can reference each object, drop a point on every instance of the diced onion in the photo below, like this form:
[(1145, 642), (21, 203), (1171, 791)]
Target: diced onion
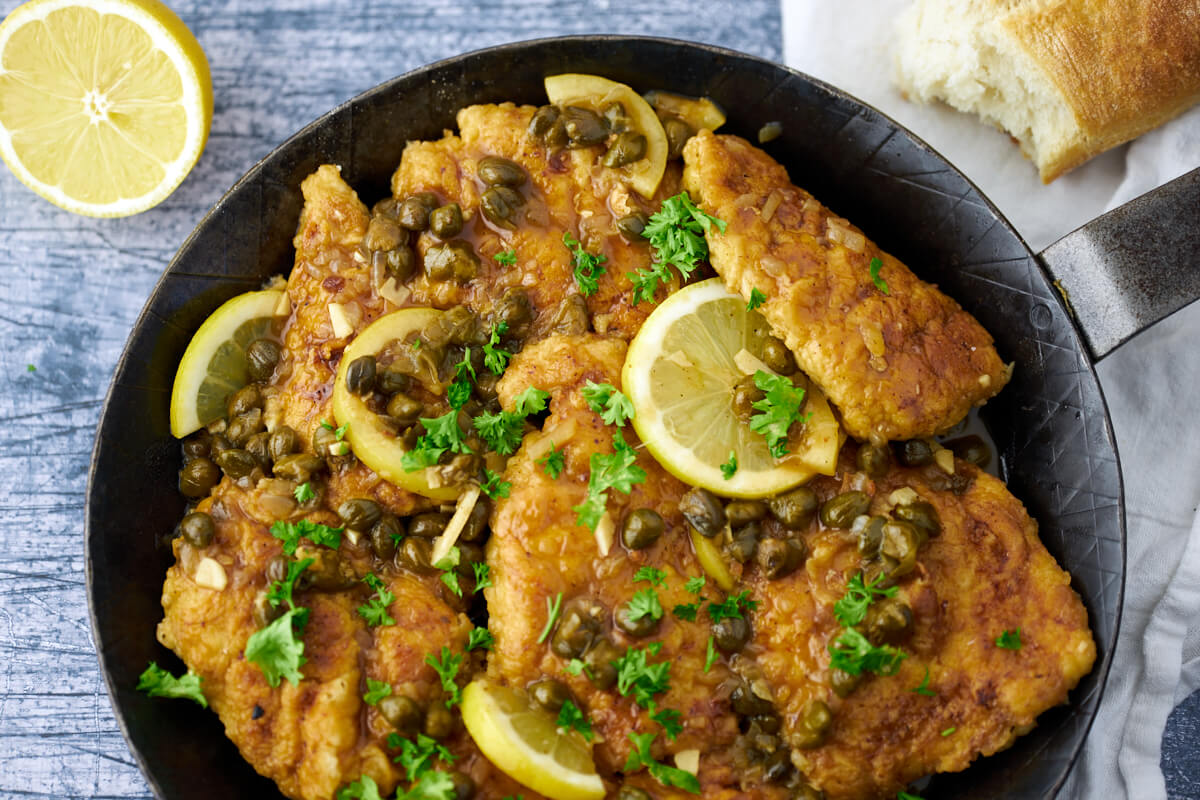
[(210, 574), (462, 511), (839, 230), (394, 293)]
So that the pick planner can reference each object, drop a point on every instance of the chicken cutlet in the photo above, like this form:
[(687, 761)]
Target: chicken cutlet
[(897, 357), (993, 632)]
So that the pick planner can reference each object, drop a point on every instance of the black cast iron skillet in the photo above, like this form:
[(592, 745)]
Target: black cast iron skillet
[(1050, 424)]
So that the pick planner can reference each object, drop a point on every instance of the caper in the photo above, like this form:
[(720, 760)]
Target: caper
[(360, 513), (399, 263), (263, 612), (439, 722), (462, 785), (515, 310), (627, 148), (634, 624), (922, 515), (870, 535), (873, 459), (599, 662), (744, 543), (633, 793), (843, 683), (543, 123), (615, 116), (914, 453), (236, 463), (413, 213), (703, 511), (814, 725), (325, 574), (243, 400), (196, 445), (889, 621), (384, 535), (582, 126), (578, 627), (428, 525), (496, 171), (197, 529), (807, 792), (747, 703), (743, 512), (392, 379), (678, 132), (384, 234), (641, 529), (477, 523), (777, 356), (731, 634), (499, 205), (939, 481), (767, 723), (550, 694), (282, 442), (454, 259), (900, 543), (218, 442), (745, 395), (469, 553), (446, 222), (197, 477), (570, 316), (777, 766), (415, 554), (298, 467), (261, 357), (360, 375), (404, 409), (402, 713), (257, 446), (631, 226), (243, 426), (971, 448), (388, 207), (778, 558), (840, 510), (326, 442), (794, 509), (277, 569)]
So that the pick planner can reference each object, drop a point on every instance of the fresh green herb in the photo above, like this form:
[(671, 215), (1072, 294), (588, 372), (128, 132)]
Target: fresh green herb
[(654, 648), (506, 257), (376, 691), (854, 653), (645, 604), (851, 609), (572, 719), (416, 344), (417, 757), (668, 718), (493, 487), (695, 584), (676, 233), (374, 611), (339, 433), (640, 679), (281, 591), (949, 731), (531, 401), (710, 655), (441, 434), (30, 368), (612, 406), (446, 667), (757, 298), (1009, 640), (907, 796), (730, 467), (362, 789), (686, 611), (482, 575), (731, 607), (447, 565), (879, 282), (652, 576), (276, 650), (464, 374), (157, 682), (666, 775), (924, 689), (501, 431), (575, 666), (552, 612), (496, 358), (646, 281), (435, 785), (587, 267), (616, 471), (480, 639), (780, 408), (304, 492), (290, 534), (553, 462)]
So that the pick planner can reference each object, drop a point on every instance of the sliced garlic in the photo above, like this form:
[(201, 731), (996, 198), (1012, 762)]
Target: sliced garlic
[(210, 574)]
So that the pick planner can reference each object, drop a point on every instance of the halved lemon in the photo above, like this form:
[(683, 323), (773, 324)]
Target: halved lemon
[(214, 364), (375, 444), (680, 373), (594, 92), (105, 105), (527, 745)]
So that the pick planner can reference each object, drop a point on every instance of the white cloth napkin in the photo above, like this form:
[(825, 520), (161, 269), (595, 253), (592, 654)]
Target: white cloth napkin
[(1150, 382)]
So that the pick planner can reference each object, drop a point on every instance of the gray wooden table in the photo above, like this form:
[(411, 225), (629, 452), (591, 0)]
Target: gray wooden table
[(72, 288)]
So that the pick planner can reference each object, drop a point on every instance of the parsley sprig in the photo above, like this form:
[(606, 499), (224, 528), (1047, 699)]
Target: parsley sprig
[(464, 375), (640, 679), (374, 611), (506, 258), (276, 649), (652, 576), (587, 267), (666, 775), (441, 434), (779, 409), (676, 233), (644, 603), (1009, 640), (757, 298), (608, 471), (495, 358), (290, 534), (446, 666), (851, 609), (879, 282), (503, 431), (480, 639), (730, 467), (448, 564), (304, 492), (854, 653), (572, 719), (554, 462), (157, 682), (417, 757), (612, 406), (376, 691)]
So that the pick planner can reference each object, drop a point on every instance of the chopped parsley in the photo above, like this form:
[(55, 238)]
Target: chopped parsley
[(668, 718), (851, 609), (480, 639), (686, 611), (879, 282), (506, 257), (446, 666), (281, 591), (731, 607), (572, 719), (645, 603), (638, 678), (1009, 640), (441, 434), (339, 433), (493, 487), (907, 796), (854, 653), (587, 267), (157, 682), (460, 390), (376, 691), (730, 467), (612, 406), (364, 788), (615, 471), (552, 612), (575, 666), (949, 731), (30, 368), (695, 584), (276, 650), (924, 689), (483, 577), (666, 775), (553, 462), (757, 298), (652, 576), (503, 431), (780, 408), (710, 655), (496, 358), (531, 401), (676, 233), (374, 611), (417, 757), (290, 534), (304, 492), (433, 785), (447, 565)]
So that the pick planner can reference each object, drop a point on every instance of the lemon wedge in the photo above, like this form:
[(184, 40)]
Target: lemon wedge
[(527, 745), (680, 374), (214, 364), (105, 105)]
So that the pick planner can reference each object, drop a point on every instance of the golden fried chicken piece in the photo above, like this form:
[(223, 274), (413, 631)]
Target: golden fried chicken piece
[(986, 573), (537, 551), (899, 364)]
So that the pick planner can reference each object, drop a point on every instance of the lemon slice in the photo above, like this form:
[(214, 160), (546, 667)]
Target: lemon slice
[(680, 373), (594, 92), (372, 441), (214, 364), (527, 745), (105, 105)]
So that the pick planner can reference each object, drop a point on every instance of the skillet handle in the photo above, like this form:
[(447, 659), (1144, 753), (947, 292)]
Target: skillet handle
[(1129, 268)]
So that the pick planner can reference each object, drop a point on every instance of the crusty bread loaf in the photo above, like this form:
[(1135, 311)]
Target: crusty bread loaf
[(1067, 78)]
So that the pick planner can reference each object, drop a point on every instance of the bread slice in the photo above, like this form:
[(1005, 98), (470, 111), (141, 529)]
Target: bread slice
[(1067, 78)]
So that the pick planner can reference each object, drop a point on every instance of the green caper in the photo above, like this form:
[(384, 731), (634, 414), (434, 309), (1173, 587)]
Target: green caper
[(972, 449), (939, 481), (747, 703), (384, 234), (889, 621), (413, 213), (778, 558), (703, 511), (870, 535), (243, 426), (469, 553), (263, 612), (496, 171), (767, 723), (627, 148), (914, 453), (631, 226), (642, 528), (398, 263), (840, 510), (745, 395), (777, 766), (500, 204), (794, 509), (678, 132), (615, 116), (814, 725), (261, 357), (439, 722), (731, 634), (550, 694), (218, 442), (384, 535), (476, 525), (392, 379), (428, 525), (196, 445), (769, 132), (388, 207), (404, 409), (236, 463), (743, 545), (282, 442), (360, 375), (570, 316), (359, 513), (462, 785), (599, 662), (402, 713), (516, 310), (243, 400), (197, 477), (582, 126), (637, 625), (743, 512), (633, 793), (298, 467), (277, 569), (446, 221), (452, 260), (843, 683), (922, 515), (327, 443), (197, 529), (257, 445), (899, 546), (325, 574), (415, 554), (544, 123), (578, 626), (873, 459), (777, 356)]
